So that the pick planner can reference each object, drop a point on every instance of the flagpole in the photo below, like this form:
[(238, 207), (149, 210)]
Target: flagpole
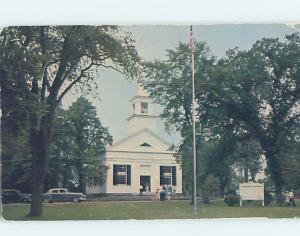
[(194, 128)]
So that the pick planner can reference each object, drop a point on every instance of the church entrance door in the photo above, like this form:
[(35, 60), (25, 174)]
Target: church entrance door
[(145, 181)]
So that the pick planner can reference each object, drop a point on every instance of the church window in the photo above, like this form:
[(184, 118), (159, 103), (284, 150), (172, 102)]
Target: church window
[(122, 174), (133, 108), (145, 145), (168, 175), (144, 107)]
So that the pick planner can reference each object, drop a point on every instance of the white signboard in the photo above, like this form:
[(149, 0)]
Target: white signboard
[(251, 191)]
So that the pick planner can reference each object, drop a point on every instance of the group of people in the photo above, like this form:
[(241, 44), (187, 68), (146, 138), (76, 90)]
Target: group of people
[(168, 190), (289, 198), (144, 188)]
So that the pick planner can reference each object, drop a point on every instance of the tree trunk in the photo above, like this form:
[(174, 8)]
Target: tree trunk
[(40, 146), (253, 175), (80, 176), (223, 185), (272, 152), (65, 177), (274, 167), (246, 174)]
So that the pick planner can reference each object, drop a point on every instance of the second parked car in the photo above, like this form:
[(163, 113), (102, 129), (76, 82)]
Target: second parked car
[(62, 195), (14, 196)]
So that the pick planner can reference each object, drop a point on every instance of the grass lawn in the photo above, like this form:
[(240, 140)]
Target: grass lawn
[(147, 210)]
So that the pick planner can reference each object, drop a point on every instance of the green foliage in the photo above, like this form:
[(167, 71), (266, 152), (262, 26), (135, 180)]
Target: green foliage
[(247, 160), (219, 159), (246, 100), (290, 162), (232, 199), (259, 90), (78, 142), (45, 63), (209, 188), (280, 198), (268, 198), (169, 82), (15, 153)]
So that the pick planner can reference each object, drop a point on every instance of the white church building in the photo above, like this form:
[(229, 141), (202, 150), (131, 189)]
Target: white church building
[(142, 159)]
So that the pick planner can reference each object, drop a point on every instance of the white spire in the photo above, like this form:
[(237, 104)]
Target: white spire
[(142, 116), (141, 91)]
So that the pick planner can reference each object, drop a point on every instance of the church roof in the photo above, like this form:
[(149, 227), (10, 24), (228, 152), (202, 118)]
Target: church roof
[(141, 93), (140, 141)]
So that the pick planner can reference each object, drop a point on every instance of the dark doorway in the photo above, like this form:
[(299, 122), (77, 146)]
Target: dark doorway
[(145, 182)]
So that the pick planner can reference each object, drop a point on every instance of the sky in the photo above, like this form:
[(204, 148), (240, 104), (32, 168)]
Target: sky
[(114, 91)]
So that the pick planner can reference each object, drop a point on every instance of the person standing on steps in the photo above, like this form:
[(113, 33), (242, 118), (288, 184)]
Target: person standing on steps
[(141, 189)]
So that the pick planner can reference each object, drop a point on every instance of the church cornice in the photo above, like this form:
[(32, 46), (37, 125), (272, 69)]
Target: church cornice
[(141, 97), (146, 152), (141, 116)]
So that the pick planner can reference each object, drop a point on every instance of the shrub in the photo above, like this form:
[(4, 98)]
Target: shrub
[(268, 198), (205, 198), (210, 187), (280, 198), (232, 199)]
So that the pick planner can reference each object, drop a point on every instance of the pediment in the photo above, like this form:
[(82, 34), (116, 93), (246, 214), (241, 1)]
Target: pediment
[(141, 141)]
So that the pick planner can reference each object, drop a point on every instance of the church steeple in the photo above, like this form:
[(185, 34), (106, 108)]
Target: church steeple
[(142, 116), (141, 91)]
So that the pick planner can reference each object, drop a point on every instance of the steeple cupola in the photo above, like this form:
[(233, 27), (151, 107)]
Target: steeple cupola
[(142, 116)]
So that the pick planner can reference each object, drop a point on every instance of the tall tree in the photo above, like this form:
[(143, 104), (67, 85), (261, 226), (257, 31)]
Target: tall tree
[(89, 141), (60, 172), (219, 159), (290, 162), (248, 160), (169, 82), (255, 94), (15, 128), (48, 62), (260, 90)]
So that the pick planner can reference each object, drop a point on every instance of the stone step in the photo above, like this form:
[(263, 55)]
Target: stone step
[(123, 197)]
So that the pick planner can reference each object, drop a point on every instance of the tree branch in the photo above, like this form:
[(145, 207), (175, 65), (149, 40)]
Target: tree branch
[(112, 67), (74, 82), (58, 79), (68, 72)]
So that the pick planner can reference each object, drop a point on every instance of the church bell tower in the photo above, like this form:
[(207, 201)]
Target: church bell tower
[(142, 116)]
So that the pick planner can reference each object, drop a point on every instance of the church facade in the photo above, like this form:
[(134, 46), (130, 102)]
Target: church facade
[(142, 160)]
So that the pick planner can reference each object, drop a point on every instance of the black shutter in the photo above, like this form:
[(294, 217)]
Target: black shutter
[(174, 175), (161, 170), (115, 174), (128, 174)]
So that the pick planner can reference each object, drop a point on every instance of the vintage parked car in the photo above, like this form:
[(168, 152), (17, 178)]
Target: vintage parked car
[(14, 196), (62, 195)]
